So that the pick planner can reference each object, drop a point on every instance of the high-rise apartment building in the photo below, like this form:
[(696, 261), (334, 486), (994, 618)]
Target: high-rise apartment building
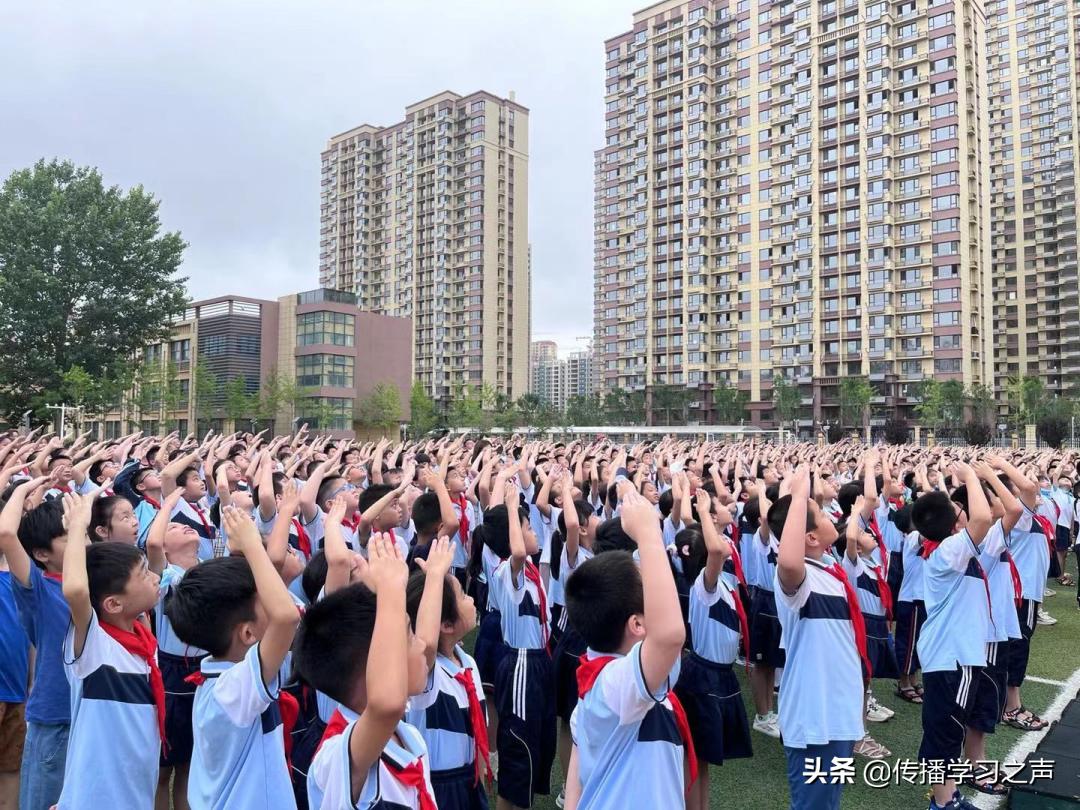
[(580, 374), (1032, 73), (796, 189), (428, 219)]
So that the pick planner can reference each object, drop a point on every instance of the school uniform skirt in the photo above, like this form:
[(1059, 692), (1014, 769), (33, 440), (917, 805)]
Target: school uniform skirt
[(525, 699), (559, 622), (179, 705), (879, 647), (567, 658), (489, 647), (712, 698), (458, 789), (765, 631)]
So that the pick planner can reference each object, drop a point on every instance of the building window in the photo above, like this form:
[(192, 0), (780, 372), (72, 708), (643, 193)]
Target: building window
[(180, 351), (317, 370), (332, 328), (328, 413)]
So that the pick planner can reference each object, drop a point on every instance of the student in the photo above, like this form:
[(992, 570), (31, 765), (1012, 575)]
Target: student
[(433, 516), (449, 713), (825, 639), (707, 685), (110, 656), (191, 509), (33, 545), (1066, 513), (142, 486), (468, 517), (113, 520), (14, 672), (238, 609), (629, 730), (357, 647), (381, 512), (952, 644), (765, 647)]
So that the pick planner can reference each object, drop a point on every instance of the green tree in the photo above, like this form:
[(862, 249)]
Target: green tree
[(469, 408), (95, 395), (209, 396), (982, 403), (930, 408), (786, 400), (1026, 396), (278, 395), (669, 402), (381, 409), (587, 411), (730, 403), (239, 404), (86, 277), (953, 399), (1054, 421), (855, 395), (423, 414)]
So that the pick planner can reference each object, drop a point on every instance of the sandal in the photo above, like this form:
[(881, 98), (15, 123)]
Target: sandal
[(908, 693), (918, 688), (980, 780), (871, 749), (1024, 720), (1065, 580)]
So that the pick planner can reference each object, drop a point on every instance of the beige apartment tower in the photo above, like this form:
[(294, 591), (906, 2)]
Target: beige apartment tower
[(1032, 81), (797, 188), (428, 219)]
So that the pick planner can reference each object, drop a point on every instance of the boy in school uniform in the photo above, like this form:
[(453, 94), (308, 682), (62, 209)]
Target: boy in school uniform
[(450, 712), (433, 516), (239, 610), (110, 656), (14, 669), (629, 730), (825, 639), (356, 646), (765, 630), (952, 643), (33, 545)]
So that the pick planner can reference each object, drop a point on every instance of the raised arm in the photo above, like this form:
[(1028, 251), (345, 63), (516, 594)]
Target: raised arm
[(429, 614), (1028, 489), (980, 518), (716, 547), (76, 584), (437, 484), (339, 558), (791, 559), (518, 553), (18, 560), (1012, 506), (155, 536), (173, 469), (277, 543)]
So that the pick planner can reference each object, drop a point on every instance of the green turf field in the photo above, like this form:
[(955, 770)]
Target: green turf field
[(760, 782)]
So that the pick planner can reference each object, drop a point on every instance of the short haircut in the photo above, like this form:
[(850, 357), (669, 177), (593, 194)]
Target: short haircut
[(328, 485), (313, 580), (610, 536), (751, 513), (666, 502), (210, 601), (237, 450), (331, 648), (101, 512), (426, 513), (40, 527), (601, 595), (847, 495), (108, 569), (370, 496), (778, 513), (414, 592), (902, 518), (496, 529), (185, 476), (95, 469), (59, 455), (934, 516)]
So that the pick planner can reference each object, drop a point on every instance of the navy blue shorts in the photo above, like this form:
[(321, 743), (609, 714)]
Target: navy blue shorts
[(1063, 538), (558, 626), (567, 658), (879, 648), (489, 648), (457, 789), (989, 702), (525, 698), (179, 704), (1020, 648), (712, 698), (896, 574), (765, 646), (909, 621), (947, 700)]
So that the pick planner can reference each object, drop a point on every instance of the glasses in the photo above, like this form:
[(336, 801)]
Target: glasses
[(339, 490)]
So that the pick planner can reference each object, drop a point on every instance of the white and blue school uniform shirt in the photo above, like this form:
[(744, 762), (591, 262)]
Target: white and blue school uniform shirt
[(1031, 552), (461, 550), (911, 586), (1066, 504), (822, 660), (520, 602), (957, 622), (330, 774), (766, 554), (630, 751), (751, 560), (862, 576), (197, 516), (714, 620), (239, 755), (489, 561), (167, 640), (557, 587), (441, 713), (115, 744), (1005, 622)]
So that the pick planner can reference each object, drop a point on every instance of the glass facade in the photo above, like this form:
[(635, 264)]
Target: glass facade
[(317, 370), (332, 328)]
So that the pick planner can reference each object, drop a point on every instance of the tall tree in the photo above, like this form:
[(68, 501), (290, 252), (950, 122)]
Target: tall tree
[(730, 403), (209, 396), (953, 399), (931, 406), (587, 411), (670, 402), (785, 399), (239, 404), (1026, 396), (983, 404), (381, 409), (1054, 421), (87, 278), (855, 395), (423, 414)]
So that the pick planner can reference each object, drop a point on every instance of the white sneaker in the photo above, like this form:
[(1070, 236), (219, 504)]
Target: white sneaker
[(560, 800), (493, 758), (1049, 592), (875, 712), (1045, 618), (767, 725)]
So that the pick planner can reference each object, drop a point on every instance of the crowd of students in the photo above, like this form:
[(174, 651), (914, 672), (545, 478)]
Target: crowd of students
[(279, 622)]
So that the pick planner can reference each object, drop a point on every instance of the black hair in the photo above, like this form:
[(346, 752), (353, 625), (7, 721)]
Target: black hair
[(221, 462), (95, 470), (236, 450), (278, 481), (934, 516), (313, 580), (210, 601), (902, 518), (151, 452), (696, 554), (422, 458), (610, 536), (59, 455), (108, 568), (414, 592), (751, 513), (909, 480), (185, 476), (101, 512), (328, 485), (601, 595), (426, 513), (847, 495), (772, 493), (584, 512), (39, 527), (666, 502), (778, 513), (332, 644), (370, 496)]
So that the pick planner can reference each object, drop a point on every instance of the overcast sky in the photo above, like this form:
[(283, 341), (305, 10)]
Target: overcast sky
[(221, 107)]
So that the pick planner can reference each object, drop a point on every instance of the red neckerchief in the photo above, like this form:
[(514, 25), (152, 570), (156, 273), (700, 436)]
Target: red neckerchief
[(53, 576), (303, 541), (1018, 587), (883, 592), (736, 556), (463, 523), (1048, 530), (589, 670), (897, 503), (152, 502), (532, 573), (352, 523), (140, 642), (202, 519), (882, 551), (857, 623), (482, 754), (289, 707), (744, 625), (335, 727), (412, 775), (930, 546)]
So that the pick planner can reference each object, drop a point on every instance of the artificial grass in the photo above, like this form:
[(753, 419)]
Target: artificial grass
[(760, 782)]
